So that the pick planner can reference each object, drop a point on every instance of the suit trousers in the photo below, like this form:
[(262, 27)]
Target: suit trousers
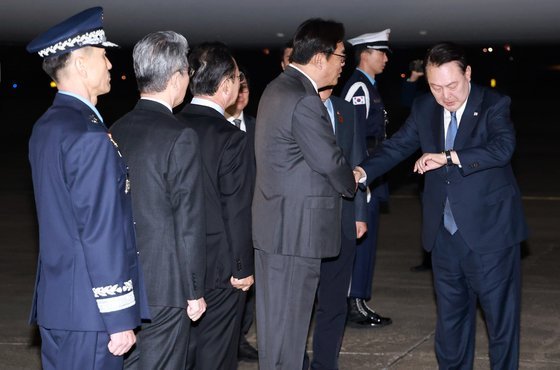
[(285, 288), (161, 343), (247, 314), (364, 263), (461, 277), (215, 336), (63, 349), (332, 306)]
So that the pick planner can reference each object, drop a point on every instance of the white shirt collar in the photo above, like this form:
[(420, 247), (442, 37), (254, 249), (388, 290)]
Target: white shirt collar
[(242, 125), (231, 118), (207, 103), (305, 74)]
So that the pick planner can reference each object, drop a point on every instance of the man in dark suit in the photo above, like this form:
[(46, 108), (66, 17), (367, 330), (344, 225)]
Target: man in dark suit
[(227, 181), (236, 116), (301, 175), (89, 291), (473, 219), (361, 90), (331, 306), (166, 174)]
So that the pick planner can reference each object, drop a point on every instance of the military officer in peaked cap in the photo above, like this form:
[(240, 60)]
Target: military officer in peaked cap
[(89, 293), (361, 90)]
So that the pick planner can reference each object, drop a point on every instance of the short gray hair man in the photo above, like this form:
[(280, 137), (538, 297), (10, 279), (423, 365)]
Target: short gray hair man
[(157, 57)]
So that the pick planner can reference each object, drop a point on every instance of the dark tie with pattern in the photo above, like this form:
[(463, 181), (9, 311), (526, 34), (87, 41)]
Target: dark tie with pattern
[(448, 219), (237, 122)]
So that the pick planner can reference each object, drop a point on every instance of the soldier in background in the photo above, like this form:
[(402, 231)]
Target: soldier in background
[(361, 90)]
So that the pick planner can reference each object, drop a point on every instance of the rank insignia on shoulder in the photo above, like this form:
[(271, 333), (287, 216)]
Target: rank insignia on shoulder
[(93, 118), (359, 100)]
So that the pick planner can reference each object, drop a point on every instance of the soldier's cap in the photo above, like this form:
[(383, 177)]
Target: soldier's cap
[(377, 40), (80, 30)]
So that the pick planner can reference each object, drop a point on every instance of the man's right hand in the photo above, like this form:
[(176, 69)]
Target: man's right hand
[(360, 175), (121, 342), (195, 308)]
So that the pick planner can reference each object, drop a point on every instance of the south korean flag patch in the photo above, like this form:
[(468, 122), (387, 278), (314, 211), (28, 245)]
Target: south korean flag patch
[(359, 100)]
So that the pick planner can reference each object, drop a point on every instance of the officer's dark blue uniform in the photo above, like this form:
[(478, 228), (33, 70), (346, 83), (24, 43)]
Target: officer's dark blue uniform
[(89, 283), (361, 91)]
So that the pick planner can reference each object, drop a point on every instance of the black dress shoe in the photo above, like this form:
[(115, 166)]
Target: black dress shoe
[(247, 352), (361, 316)]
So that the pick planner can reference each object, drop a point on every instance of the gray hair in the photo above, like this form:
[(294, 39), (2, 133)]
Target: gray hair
[(157, 57)]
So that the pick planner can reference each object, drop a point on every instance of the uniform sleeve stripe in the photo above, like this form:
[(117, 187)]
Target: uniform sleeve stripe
[(118, 303), (353, 89)]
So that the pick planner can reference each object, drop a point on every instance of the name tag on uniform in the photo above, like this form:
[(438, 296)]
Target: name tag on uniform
[(359, 100)]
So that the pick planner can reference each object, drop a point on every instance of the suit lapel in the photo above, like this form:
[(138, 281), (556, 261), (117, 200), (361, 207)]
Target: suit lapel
[(437, 127), (338, 120), (470, 117)]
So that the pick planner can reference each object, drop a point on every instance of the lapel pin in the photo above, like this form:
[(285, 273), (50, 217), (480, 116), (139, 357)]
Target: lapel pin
[(475, 114), (339, 117)]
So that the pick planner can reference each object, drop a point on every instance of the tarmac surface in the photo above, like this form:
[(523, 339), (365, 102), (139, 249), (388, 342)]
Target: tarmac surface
[(407, 297)]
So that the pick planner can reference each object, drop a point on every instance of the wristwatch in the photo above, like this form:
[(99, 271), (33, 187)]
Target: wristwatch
[(448, 157)]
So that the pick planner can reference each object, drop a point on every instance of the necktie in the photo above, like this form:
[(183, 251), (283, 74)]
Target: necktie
[(330, 110), (237, 122), (451, 132), (448, 219)]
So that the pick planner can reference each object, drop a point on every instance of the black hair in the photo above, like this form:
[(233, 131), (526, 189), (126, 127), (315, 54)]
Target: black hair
[(210, 63), (316, 36), (446, 52)]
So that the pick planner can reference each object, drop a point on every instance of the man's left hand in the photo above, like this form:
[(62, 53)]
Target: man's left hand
[(243, 284), (429, 161)]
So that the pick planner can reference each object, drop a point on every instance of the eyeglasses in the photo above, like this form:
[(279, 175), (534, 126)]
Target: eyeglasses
[(341, 56), (241, 77)]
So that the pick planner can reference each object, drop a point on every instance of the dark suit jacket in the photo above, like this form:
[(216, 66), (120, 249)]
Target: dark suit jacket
[(88, 275), (301, 172), (250, 123), (227, 195), (483, 193), (166, 177), (351, 139)]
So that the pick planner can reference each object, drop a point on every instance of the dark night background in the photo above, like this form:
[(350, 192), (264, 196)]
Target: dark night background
[(529, 74)]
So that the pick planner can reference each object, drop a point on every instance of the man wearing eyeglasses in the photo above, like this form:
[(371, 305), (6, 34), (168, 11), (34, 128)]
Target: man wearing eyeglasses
[(301, 178), (215, 81), (361, 90)]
